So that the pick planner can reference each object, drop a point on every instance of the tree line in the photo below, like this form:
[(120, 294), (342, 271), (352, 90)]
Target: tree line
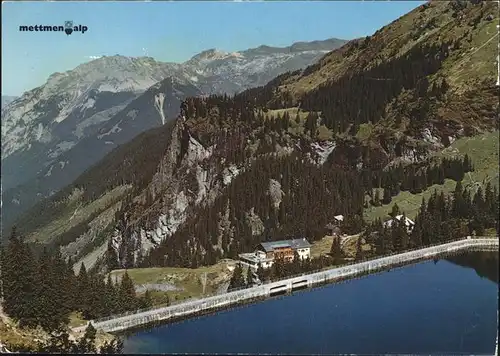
[(414, 177), (361, 97), (42, 290), (60, 342), (308, 196), (439, 220)]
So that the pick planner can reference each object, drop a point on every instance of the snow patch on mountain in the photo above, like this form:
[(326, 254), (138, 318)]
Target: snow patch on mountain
[(72, 92), (159, 102)]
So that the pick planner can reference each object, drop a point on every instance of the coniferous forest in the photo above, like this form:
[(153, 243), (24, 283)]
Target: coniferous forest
[(346, 134), (41, 290), (311, 194), (440, 219)]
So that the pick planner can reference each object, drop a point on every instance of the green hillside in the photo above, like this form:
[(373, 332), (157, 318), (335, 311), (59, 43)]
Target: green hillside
[(482, 149)]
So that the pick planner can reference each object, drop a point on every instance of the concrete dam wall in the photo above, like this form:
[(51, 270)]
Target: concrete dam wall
[(124, 322)]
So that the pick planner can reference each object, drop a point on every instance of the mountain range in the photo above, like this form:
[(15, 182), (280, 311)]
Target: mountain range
[(284, 158), (53, 133)]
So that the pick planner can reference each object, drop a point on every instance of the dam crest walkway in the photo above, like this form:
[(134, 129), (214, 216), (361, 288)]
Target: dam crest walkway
[(185, 309)]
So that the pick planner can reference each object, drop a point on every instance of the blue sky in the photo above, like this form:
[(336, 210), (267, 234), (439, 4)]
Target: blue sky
[(171, 31)]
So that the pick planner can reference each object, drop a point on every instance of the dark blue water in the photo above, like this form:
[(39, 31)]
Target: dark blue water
[(425, 308)]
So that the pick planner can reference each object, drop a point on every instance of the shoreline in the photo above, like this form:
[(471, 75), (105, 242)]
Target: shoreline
[(198, 308)]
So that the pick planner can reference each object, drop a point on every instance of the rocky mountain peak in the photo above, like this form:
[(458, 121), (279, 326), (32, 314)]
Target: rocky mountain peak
[(208, 55), (57, 130)]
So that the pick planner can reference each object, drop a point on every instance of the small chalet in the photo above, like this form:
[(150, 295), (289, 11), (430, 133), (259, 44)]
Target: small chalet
[(267, 252), (410, 224)]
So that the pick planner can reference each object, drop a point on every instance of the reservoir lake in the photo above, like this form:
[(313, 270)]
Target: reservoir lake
[(446, 306)]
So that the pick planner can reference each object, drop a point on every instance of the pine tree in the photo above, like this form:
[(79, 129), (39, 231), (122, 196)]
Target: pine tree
[(477, 225), (82, 290), (336, 251), (22, 283), (459, 209), (388, 245), (46, 303), (96, 297), (111, 297), (394, 211), (87, 343), (127, 295), (360, 255), (376, 199), (113, 347), (71, 285), (467, 164), (296, 263), (147, 300), (405, 238), (111, 257), (489, 202), (62, 285), (2, 263), (399, 234), (495, 205), (11, 274), (249, 277), (58, 343), (278, 268), (387, 196), (260, 272), (237, 280), (379, 242)]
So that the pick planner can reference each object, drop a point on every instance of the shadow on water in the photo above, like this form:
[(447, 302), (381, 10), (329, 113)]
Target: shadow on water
[(447, 305), (485, 263)]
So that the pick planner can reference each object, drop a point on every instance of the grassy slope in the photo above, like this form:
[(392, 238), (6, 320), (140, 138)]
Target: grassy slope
[(475, 59), (470, 62), (482, 149), (76, 213), (187, 280)]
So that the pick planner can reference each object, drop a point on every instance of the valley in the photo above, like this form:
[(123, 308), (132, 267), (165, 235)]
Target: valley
[(140, 183), (50, 138), (192, 168)]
